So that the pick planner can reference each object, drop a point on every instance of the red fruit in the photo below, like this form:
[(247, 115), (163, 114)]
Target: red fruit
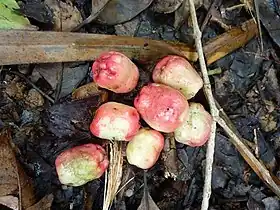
[(144, 149), (116, 72), (163, 108), (115, 121), (81, 164), (178, 73), (195, 131)]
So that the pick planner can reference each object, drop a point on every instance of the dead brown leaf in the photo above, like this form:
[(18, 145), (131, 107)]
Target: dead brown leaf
[(169, 156), (119, 11), (13, 179), (88, 90), (66, 15), (8, 164), (166, 6), (44, 204), (182, 14), (25, 47), (10, 201)]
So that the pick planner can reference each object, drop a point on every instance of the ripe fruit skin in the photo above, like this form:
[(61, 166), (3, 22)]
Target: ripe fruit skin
[(163, 108), (115, 121), (116, 72), (195, 131), (177, 72), (81, 164), (144, 149)]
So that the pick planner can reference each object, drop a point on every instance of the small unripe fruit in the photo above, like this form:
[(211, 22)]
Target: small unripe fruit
[(115, 121), (195, 131), (163, 108), (116, 72), (81, 164), (144, 149), (177, 72)]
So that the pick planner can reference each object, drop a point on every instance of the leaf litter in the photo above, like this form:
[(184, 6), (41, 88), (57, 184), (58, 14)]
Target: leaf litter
[(228, 184)]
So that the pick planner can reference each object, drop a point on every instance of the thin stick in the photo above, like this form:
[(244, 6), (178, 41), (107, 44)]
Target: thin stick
[(213, 109)]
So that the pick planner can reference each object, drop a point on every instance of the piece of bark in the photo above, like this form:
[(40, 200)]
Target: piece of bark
[(18, 47), (23, 47)]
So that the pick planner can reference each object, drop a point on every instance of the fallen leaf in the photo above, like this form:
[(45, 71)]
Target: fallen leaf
[(119, 11), (97, 6), (65, 15), (41, 47), (182, 14), (10, 201), (13, 178), (147, 202), (88, 90), (37, 10), (11, 18), (269, 16), (166, 6), (44, 204), (69, 118), (49, 72), (169, 156), (73, 74), (8, 165)]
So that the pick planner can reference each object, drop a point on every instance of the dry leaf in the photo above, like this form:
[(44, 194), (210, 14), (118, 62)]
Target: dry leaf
[(10, 201), (183, 12), (13, 179), (169, 156), (166, 6), (98, 6), (73, 74), (88, 90), (44, 204), (66, 15), (25, 47), (119, 11), (147, 202), (8, 165), (27, 190)]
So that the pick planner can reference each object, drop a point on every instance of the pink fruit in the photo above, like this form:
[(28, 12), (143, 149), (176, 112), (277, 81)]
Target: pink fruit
[(163, 108), (116, 72), (195, 131), (115, 121), (144, 149), (81, 164), (178, 73)]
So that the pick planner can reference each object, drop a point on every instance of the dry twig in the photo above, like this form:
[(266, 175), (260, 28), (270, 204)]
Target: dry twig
[(213, 109), (225, 123)]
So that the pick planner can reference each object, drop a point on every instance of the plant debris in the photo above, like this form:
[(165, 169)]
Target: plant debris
[(52, 88)]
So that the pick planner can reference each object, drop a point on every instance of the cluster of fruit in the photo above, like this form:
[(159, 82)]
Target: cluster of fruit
[(163, 104)]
